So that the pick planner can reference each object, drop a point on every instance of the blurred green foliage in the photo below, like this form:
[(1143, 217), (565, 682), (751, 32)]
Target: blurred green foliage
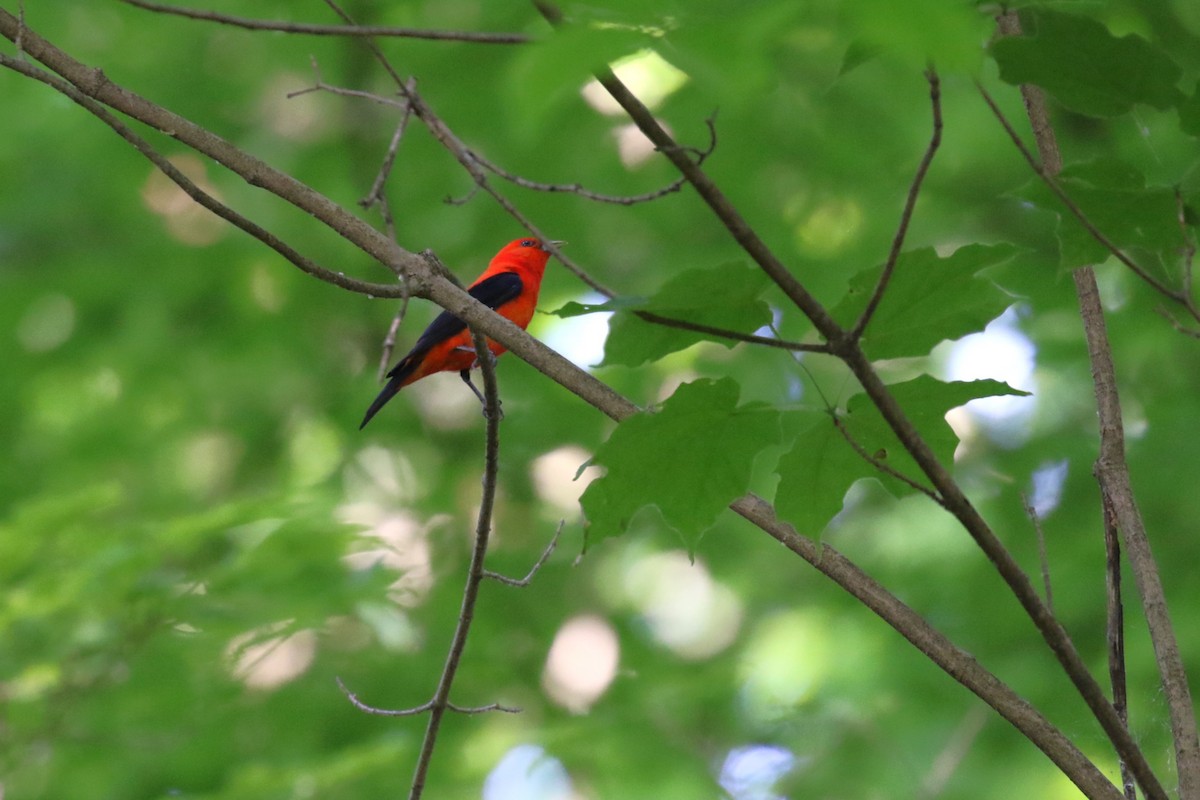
[(195, 539)]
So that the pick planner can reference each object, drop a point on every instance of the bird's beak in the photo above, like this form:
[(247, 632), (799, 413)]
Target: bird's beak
[(553, 243)]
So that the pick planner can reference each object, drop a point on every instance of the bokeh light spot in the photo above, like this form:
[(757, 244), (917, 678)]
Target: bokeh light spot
[(582, 662)]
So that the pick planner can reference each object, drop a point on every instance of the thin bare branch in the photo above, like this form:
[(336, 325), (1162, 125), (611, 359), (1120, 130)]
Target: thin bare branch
[(475, 573), (1114, 632), (310, 29), (725, 333), (490, 707), (1112, 473), (389, 341), (578, 189), (910, 203), (575, 188), (537, 565), (1176, 324)]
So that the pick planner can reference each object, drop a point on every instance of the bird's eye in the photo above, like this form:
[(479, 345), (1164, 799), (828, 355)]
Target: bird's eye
[(529, 243)]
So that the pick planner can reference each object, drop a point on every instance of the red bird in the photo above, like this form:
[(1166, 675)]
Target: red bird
[(509, 285)]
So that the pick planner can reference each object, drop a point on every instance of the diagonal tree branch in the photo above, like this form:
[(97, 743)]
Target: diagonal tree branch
[(849, 351), (957, 663), (421, 280)]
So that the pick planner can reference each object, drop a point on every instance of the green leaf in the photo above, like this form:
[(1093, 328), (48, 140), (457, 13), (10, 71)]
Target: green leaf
[(1086, 68), (925, 401), (1189, 113), (929, 299), (815, 474), (691, 459), (725, 296), (920, 31), (1115, 198), (574, 309), (538, 77), (821, 466)]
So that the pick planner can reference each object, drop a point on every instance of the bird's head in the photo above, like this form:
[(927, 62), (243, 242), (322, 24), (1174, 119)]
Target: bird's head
[(528, 250)]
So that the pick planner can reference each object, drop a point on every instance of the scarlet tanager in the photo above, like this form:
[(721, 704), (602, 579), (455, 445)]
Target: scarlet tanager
[(509, 285)]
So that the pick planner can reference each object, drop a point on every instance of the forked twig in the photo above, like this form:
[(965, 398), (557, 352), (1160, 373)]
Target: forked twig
[(377, 197), (537, 565), (421, 709)]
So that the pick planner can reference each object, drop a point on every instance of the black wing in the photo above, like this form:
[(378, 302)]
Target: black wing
[(493, 293)]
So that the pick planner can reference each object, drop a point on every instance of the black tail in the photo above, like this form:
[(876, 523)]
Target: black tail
[(396, 380)]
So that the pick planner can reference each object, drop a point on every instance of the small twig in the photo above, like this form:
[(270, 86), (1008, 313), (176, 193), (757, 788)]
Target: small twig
[(421, 709), (882, 467), (1176, 324), (389, 341), (575, 188), (450, 200), (537, 565), (724, 333), (333, 30), (377, 197), (1115, 632), (953, 754), (1031, 512), (914, 190), (1052, 184), (320, 86)]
